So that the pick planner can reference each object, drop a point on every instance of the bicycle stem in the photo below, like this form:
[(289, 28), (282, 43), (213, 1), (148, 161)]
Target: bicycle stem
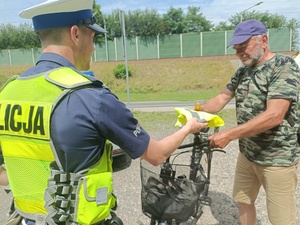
[(200, 146), (195, 157)]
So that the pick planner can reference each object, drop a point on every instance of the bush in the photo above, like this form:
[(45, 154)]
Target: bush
[(120, 71)]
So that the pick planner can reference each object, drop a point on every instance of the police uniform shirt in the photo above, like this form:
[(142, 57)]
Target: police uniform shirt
[(86, 118)]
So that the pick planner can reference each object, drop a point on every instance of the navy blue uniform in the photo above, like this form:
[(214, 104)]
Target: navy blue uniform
[(86, 118)]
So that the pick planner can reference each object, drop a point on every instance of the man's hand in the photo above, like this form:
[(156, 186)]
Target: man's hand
[(197, 106), (219, 140)]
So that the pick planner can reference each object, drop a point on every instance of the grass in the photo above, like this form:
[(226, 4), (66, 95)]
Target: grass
[(168, 79), (9, 71), (179, 79), (185, 79)]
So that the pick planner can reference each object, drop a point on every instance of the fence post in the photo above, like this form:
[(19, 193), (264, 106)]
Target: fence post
[(95, 53), (9, 57), (157, 40), (116, 51), (225, 38), (137, 47), (269, 37), (181, 47), (32, 56), (201, 46), (291, 39)]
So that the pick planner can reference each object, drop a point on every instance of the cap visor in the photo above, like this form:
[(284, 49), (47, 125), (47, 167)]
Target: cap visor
[(238, 40), (95, 27)]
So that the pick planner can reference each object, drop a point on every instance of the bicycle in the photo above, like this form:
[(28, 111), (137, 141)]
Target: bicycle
[(175, 193)]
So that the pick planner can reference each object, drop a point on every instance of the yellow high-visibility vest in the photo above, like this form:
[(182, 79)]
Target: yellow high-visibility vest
[(26, 105)]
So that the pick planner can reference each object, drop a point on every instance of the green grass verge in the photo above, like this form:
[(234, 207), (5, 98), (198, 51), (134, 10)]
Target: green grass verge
[(183, 79)]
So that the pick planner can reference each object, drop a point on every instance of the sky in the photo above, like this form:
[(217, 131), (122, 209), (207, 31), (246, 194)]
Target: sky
[(213, 10)]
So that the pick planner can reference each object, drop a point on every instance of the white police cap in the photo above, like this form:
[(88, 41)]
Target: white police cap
[(62, 13)]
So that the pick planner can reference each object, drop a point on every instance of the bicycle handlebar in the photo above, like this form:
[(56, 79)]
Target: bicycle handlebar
[(198, 143)]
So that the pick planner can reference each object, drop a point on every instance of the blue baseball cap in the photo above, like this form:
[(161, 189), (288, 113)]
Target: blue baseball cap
[(62, 13), (246, 30)]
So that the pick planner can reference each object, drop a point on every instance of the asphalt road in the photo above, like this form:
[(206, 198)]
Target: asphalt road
[(166, 105)]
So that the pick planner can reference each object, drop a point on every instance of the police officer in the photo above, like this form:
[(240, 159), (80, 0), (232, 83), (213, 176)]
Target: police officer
[(55, 123)]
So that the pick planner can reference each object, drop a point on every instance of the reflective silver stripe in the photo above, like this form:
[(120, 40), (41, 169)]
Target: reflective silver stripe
[(195, 114)]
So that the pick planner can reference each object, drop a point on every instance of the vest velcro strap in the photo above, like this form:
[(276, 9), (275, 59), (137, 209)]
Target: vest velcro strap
[(63, 189), (61, 217), (61, 177), (62, 203)]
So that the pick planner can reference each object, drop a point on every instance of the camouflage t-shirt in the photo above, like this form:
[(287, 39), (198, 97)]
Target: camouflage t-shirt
[(277, 78)]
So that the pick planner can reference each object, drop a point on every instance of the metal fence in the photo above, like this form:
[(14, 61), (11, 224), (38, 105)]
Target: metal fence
[(159, 47)]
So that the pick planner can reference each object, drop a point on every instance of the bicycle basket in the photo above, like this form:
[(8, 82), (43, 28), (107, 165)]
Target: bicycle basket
[(176, 199)]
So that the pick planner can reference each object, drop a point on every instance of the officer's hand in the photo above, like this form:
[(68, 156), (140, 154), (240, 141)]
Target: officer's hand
[(194, 125)]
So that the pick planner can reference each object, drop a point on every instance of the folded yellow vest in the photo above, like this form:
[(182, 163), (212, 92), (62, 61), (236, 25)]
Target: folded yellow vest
[(185, 114)]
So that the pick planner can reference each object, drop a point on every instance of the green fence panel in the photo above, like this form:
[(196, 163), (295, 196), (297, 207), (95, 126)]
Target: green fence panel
[(191, 45), (119, 50), (213, 43), (169, 46), (22, 57), (131, 48), (100, 53), (111, 51), (4, 58), (36, 54), (147, 48), (230, 49), (279, 39)]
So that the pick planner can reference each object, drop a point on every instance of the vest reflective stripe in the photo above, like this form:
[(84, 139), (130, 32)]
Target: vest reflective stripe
[(25, 135)]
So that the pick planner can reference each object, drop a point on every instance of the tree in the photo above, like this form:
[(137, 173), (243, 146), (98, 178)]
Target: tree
[(113, 24), (145, 23), (195, 21), (223, 26), (21, 37), (174, 19), (98, 15), (27, 37)]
